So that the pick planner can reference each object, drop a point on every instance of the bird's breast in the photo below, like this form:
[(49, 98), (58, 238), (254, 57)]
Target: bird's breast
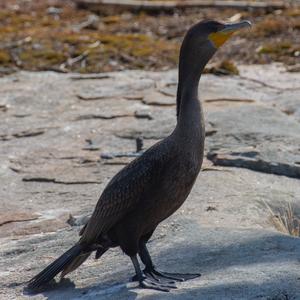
[(174, 188)]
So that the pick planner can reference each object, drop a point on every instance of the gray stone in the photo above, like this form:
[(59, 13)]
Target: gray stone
[(51, 143), (256, 137)]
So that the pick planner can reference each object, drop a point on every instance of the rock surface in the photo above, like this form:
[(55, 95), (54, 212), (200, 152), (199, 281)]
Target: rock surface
[(63, 136)]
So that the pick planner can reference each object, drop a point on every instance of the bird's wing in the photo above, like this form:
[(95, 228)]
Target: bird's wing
[(122, 193)]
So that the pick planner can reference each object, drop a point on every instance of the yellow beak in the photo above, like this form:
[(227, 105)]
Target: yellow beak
[(220, 37)]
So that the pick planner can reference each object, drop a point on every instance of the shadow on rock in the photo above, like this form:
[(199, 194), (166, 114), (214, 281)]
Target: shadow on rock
[(208, 251), (271, 290)]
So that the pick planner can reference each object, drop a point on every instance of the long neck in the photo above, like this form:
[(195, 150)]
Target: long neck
[(183, 90), (190, 130), (190, 122), (187, 92)]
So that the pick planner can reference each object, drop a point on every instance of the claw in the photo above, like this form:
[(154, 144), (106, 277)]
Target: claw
[(152, 286), (158, 278), (175, 276), (149, 284)]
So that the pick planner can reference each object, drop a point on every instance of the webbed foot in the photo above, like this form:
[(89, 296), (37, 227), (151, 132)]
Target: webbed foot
[(173, 276), (153, 277), (149, 283)]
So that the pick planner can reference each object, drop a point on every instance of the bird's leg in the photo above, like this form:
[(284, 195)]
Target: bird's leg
[(147, 282), (147, 261), (151, 271)]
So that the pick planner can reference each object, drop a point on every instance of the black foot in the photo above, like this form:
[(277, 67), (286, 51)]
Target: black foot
[(173, 276), (153, 277), (148, 283)]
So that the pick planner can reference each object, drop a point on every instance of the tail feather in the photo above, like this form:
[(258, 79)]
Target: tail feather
[(75, 264), (57, 266)]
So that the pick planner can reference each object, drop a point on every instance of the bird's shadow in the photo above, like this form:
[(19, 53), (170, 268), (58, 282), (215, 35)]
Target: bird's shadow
[(66, 289), (190, 255)]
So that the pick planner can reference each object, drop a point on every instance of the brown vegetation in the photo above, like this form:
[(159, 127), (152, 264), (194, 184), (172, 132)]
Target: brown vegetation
[(39, 35)]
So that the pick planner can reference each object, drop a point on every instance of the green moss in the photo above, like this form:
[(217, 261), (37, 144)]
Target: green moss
[(293, 12), (75, 38), (112, 19), (142, 51), (296, 24), (4, 57), (42, 57), (124, 41), (276, 48), (48, 21)]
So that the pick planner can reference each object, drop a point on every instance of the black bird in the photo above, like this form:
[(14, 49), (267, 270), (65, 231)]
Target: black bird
[(155, 185)]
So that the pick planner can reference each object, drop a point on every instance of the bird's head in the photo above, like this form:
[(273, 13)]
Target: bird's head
[(203, 39)]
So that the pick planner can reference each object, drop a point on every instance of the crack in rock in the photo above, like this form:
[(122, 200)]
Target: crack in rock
[(139, 114), (90, 76), (121, 154), (13, 217), (229, 100), (156, 98), (102, 116), (22, 134), (58, 181), (250, 161)]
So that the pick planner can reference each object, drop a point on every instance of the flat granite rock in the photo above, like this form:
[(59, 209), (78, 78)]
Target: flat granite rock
[(258, 137), (63, 136)]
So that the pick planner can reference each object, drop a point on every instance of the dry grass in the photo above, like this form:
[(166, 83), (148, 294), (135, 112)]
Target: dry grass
[(224, 67), (132, 40), (285, 220), (270, 26)]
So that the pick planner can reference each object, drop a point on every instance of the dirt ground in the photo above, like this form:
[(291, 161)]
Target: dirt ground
[(55, 35)]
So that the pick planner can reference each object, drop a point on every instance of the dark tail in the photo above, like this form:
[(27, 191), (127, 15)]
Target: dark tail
[(68, 262)]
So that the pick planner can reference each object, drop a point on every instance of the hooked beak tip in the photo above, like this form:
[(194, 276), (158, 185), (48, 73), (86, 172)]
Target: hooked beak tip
[(231, 27)]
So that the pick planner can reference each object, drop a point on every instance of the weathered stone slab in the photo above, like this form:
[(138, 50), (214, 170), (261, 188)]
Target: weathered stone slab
[(255, 137), (51, 169), (104, 91), (223, 230), (159, 99)]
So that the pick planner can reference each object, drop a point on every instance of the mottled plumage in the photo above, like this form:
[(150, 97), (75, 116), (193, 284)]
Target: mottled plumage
[(155, 185)]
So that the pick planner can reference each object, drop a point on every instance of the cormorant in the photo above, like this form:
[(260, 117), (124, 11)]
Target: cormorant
[(153, 186)]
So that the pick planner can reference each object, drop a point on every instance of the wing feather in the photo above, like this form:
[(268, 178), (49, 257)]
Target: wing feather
[(123, 193)]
